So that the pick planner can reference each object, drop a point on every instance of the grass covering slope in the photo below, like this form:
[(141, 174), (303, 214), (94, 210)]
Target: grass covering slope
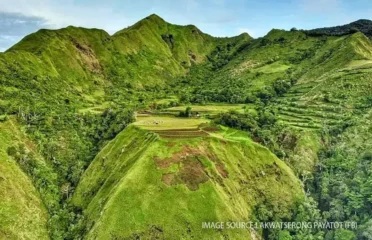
[(270, 66), (311, 82), (22, 212), (337, 89), (143, 185), (72, 88), (52, 76), (92, 66)]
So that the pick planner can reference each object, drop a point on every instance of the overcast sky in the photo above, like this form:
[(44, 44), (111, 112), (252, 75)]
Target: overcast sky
[(216, 17)]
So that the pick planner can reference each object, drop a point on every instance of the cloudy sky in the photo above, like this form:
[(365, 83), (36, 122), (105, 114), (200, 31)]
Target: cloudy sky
[(216, 17)]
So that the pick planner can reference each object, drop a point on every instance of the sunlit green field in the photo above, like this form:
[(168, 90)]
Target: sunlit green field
[(358, 64), (211, 108), (164, 122)]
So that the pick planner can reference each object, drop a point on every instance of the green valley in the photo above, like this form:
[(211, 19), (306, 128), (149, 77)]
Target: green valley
[(152, 131)]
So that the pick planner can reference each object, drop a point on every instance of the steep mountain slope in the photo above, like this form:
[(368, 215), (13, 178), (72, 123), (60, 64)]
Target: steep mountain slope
[(326, 77), (92, 66), (22, 212), (73, 90), (344, 176), (312, 84), (288, 56), (51, 75), (334, 89), (168, 186)]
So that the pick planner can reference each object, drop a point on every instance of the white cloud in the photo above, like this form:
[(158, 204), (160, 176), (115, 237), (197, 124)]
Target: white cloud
[(60, 14), (114, 15), (320, 5), (14, 26)]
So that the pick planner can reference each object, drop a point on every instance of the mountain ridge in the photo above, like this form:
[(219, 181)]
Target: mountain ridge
[(246, 121), (91, 62), (362, 25)]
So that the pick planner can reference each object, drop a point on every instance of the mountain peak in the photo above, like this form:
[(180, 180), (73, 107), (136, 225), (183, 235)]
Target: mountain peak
[(152, 20), (154, 17), (362, 21)]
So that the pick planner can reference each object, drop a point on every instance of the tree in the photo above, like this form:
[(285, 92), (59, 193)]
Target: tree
[(186, 113), (343, 234), (281, 86), (285, 235)]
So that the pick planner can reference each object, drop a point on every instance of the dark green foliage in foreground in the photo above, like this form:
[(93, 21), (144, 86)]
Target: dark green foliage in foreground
[(342, 183), (82, 136), (261, 125), (68, 142)]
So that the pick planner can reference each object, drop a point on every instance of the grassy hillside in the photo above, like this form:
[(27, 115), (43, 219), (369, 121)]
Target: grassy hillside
[(168, 184), (268, 67), (93, 67), (22, 212), (54, 80), (305, 96)]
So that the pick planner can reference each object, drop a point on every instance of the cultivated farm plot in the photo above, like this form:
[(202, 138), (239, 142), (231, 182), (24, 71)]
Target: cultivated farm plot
[(168, 123), (298, 111), (181, 133), (173, 127), (210, 108)]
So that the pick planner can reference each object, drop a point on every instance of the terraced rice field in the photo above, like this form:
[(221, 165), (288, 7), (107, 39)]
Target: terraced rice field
[(296, 110), (181, 133), (174, 127), (212, 109)]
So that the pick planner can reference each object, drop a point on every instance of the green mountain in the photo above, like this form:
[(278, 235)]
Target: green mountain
[(362, 25), (269, 66), (150, 132), (166, 187), (92, 66), (20, 203)]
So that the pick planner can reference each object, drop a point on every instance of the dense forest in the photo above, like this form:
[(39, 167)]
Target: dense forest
[(363, 25)]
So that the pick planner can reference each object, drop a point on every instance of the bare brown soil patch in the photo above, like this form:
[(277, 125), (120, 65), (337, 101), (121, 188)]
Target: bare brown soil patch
[(168, 178), (176, 158), (221, 169), (191, 170), (180, 136), (181, 133), (192, 173), (88, 56), (211, 129), (177, 130)]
